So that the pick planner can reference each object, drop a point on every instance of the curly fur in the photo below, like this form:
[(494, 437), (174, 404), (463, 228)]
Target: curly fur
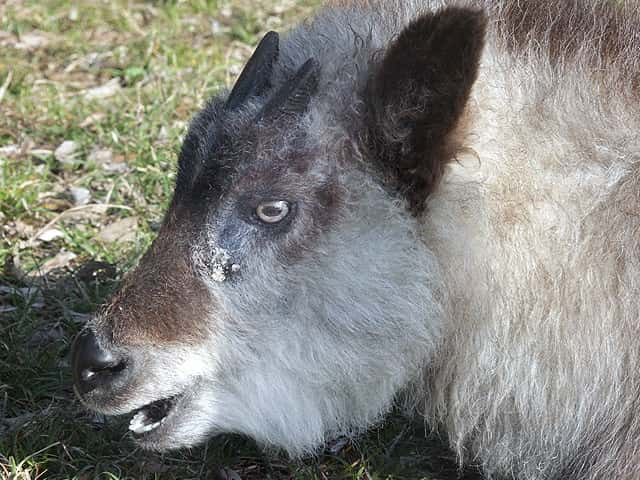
[(505, 307)]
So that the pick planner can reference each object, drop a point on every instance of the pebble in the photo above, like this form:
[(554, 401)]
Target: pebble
[(67, 151), (80, 195), (100, 156), (9, 150), (109, 89), (50, 235), (123, 230), (61, 260)]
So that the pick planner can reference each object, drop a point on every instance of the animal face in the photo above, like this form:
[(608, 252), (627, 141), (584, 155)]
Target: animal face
[(288, 295)]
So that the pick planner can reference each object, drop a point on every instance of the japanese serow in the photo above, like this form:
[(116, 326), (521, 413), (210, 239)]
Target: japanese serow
[(428, 202)]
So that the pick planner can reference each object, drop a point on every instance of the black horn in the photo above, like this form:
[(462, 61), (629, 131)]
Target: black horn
[(256, 75), (293, 97)]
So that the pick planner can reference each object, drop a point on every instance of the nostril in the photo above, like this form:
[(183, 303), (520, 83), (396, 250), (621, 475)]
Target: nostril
[(91, 372), (92, 365)]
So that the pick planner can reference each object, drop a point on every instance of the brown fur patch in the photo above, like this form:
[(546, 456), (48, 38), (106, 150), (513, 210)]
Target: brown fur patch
[(163, 300), (603, 35)]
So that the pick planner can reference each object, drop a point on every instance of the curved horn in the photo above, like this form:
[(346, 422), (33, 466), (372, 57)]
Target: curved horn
[(293, 97), (256, 75)]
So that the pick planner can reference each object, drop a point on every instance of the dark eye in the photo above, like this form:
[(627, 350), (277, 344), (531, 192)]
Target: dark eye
[(272, 212)]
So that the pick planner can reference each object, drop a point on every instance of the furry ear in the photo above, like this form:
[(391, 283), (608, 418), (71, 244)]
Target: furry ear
[(418, 93)]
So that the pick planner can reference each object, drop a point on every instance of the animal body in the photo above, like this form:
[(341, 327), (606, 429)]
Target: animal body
[(434, 202)]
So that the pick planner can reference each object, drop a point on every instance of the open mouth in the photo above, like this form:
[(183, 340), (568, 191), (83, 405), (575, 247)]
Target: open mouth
[(150, 417)]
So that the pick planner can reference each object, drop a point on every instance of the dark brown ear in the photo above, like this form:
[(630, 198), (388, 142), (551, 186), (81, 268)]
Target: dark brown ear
[(418, 93)]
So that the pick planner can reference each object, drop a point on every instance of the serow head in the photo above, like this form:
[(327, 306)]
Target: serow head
[(288, 295)]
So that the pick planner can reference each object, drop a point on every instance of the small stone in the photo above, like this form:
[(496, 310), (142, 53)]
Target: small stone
[(73, 14), (123, 230), (109, 89), (105, 158), (9, 151), (115, 167), (235, 69), (50, 235), (163, 134), (216, 28), (100, 156), (80, 195), (34, 40), (67, 151), (61, 260), (92, 119), (22, 229)]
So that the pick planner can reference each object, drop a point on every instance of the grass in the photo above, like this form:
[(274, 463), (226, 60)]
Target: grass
[(161, 60)]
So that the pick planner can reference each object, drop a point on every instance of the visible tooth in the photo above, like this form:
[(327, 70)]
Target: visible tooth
[(138, 429), (139, 416), (148, 428), (138, 421)]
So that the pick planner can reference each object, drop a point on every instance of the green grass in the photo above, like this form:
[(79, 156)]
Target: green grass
[(167, 57)]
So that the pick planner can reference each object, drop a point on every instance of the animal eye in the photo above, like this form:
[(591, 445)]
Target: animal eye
[(272, 212)]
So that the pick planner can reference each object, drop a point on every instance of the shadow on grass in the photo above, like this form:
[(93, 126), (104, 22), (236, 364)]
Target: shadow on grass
[(45, 432)]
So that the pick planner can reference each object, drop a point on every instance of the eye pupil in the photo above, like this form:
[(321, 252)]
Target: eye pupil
[(272, 212)]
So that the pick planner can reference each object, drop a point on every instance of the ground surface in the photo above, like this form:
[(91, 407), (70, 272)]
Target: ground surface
[(94, 98)]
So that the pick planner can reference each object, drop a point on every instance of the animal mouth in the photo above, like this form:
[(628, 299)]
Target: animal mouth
[(150, 417)]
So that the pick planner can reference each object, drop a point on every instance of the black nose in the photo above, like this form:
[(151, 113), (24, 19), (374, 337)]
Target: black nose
[(92, 365)]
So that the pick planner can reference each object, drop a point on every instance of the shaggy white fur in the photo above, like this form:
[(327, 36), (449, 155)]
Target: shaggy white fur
[(315, 349), (509, 308)]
